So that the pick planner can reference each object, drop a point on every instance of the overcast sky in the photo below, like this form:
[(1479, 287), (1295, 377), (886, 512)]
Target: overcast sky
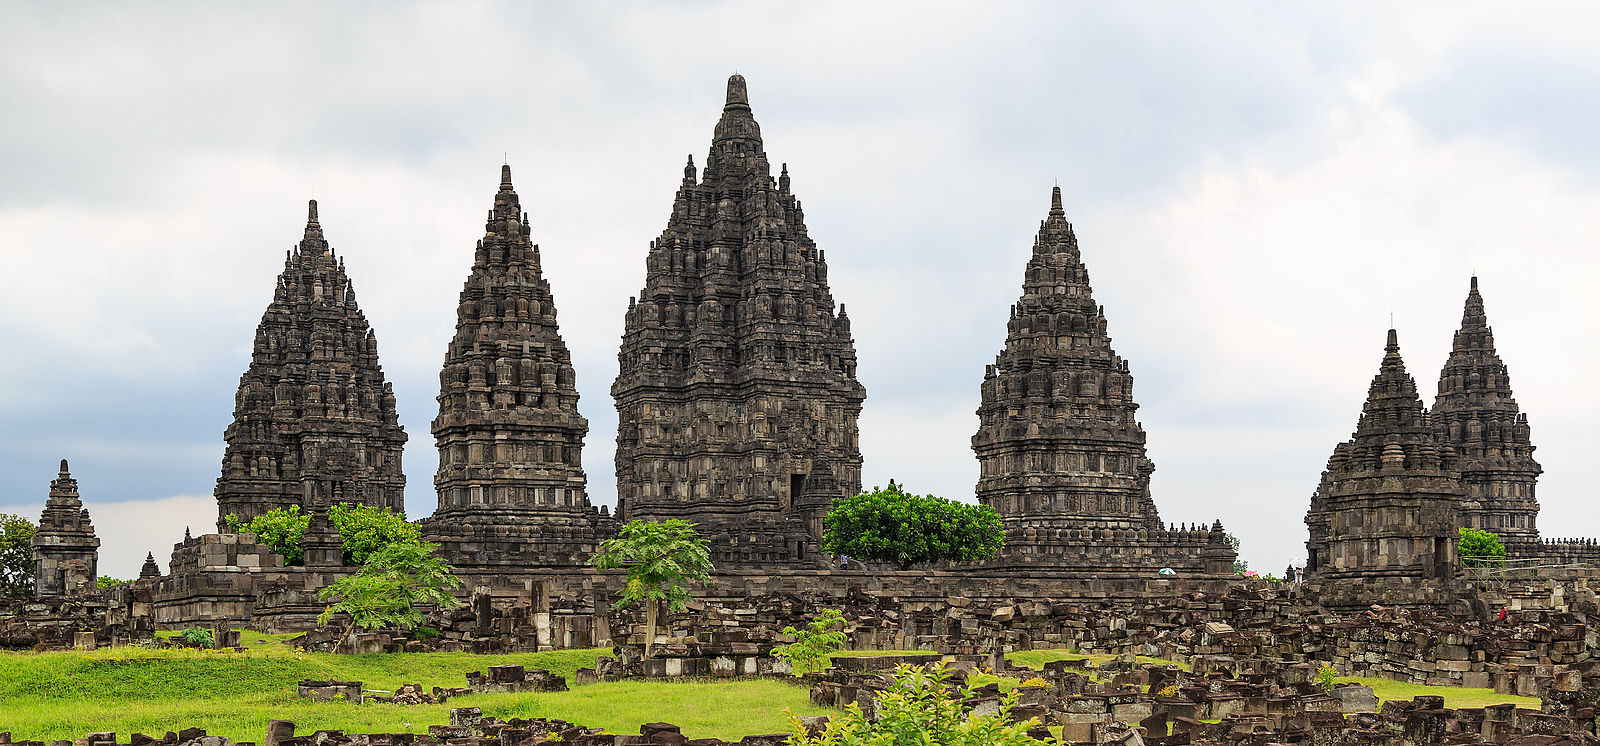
[(1256, 189)]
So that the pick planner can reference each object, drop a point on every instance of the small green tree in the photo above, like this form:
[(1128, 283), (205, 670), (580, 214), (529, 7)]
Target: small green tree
[(922, 707), (1327, 677), (281, 529), (387, 589), (1479, 548), (812, 645), (661, 558), (892, 525), (104, 582), (365, 529), (16, 555)]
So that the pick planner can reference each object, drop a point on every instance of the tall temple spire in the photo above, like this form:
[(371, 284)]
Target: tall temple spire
[(511, 486), (313, 415), (1477, 416), (1393, 466), (736, 373), (1061, 450)]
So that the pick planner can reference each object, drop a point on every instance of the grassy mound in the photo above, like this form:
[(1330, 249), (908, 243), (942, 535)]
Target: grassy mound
[(67, 694)]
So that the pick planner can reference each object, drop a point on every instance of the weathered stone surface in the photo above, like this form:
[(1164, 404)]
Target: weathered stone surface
[(511, 487), (1383, 520), (737, 396), (1061, 451), (314, 421), (65, 549)]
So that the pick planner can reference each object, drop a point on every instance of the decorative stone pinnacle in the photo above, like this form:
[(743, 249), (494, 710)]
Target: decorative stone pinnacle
[(737, 96), (1055, 203), (505, 178)]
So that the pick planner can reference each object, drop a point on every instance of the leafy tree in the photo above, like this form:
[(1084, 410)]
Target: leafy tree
[(387, 589), (892, 525), (1240, 566), (16, 555), (366, 529), (282, 529), (923, 707), (362, 529), (1479, 548), (812, 645), (104, 582), (661, 559)]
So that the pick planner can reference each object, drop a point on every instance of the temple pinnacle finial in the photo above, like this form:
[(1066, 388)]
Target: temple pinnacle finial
[(1055, 202), (63, 466), (1474, 282), (1394, 339), (311, 213), (737, 96), (505, 177)]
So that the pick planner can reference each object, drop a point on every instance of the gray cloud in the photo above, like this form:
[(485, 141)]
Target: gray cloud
[(1255, 187)]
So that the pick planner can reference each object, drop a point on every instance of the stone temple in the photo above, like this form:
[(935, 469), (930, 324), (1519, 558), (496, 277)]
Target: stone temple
[(314, 421), (1476, 415), (737, 396), (65, 549), (512, 492), (1061, 451), (1383, 521)]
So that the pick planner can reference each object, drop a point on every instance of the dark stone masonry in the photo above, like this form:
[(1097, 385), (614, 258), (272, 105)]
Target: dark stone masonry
[(737, 396), (512, 492), (737, 404), (1060, 448), (314, 421), (1383, 521)]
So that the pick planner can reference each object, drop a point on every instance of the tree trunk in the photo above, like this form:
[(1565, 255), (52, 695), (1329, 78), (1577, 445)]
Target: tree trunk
[(649, 626)]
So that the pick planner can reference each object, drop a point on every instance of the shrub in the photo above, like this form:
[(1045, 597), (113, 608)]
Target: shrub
[(105, 582), (892, 525), (922, 707), (811, 646), (1479, 548), (281, 529), (201, 637), (1326, 677), (1035, 681), (365, 530)]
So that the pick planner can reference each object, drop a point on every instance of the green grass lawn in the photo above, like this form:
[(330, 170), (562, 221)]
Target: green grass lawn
[(1454, 697), (46, 696)]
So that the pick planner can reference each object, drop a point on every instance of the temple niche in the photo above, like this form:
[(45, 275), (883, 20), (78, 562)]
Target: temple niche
[(1060, 448), (314, 421), (511, 487), (737, 397)]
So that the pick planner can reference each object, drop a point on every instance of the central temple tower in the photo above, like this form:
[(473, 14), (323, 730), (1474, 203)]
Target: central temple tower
[(512, 491), (737, 396)]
